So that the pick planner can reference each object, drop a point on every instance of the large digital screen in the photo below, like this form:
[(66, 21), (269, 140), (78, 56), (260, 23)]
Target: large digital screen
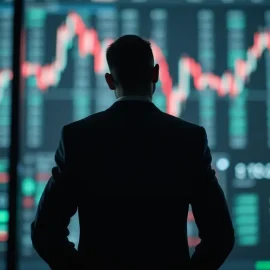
[(6, 31), (214, 71)]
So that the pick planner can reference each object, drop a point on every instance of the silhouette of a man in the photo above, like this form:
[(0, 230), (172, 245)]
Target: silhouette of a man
[(131, 172)]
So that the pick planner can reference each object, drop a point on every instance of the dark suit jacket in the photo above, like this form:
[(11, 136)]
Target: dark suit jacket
[(131, 171)]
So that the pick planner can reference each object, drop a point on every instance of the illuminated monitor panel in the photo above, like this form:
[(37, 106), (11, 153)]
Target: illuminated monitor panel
[(6, 32), (215, 62)]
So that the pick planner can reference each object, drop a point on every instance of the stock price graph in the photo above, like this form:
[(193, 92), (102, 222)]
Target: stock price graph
[(214, 71)]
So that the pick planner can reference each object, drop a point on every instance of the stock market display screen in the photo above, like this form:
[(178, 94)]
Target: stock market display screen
[(214, 71), (6, 21)]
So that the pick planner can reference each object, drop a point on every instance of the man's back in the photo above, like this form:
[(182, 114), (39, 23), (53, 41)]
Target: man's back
[(131, 161), (137, 170)]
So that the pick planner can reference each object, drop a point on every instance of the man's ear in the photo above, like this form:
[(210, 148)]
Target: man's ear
[(155, 73), (110, 81)]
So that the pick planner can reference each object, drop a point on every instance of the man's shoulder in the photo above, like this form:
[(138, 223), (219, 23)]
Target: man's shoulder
[(180, 123), (86, 122)]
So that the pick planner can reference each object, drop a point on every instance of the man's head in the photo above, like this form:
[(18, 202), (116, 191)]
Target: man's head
[(131, 64)]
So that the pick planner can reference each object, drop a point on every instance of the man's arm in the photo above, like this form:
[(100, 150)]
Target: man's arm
[(57, 205), (211, 215)]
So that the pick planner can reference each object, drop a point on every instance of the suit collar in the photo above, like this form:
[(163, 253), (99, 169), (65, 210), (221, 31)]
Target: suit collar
[(134, 98), (138, 105)]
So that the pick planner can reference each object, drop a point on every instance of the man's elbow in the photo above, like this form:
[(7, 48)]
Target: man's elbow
[(228, 241), (232, 241), (36, 238)]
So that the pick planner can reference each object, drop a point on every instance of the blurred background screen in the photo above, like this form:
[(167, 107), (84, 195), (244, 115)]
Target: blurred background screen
[(213, 55), (6, 33)]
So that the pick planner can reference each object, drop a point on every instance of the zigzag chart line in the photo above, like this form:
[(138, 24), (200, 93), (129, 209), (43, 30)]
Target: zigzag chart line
[(231, 83)]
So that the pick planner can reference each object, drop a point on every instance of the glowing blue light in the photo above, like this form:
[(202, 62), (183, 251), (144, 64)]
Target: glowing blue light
[(223, 164)]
